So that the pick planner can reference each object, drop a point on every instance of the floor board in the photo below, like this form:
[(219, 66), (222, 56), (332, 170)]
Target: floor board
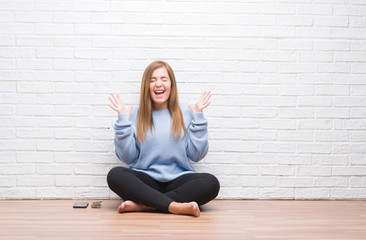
[(220, 219)]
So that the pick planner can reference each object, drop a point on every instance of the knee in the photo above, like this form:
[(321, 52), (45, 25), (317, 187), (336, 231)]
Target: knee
[(212, 185), (115, 175)]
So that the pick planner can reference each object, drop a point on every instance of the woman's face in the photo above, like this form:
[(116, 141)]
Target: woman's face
[(160, 85)]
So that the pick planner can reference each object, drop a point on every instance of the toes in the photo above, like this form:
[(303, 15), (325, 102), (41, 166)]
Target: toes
[(121, 207), (196, 210)]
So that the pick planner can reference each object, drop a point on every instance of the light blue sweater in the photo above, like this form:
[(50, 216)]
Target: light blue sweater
[(161, 156)]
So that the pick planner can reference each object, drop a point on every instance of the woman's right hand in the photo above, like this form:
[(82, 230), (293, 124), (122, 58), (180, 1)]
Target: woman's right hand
[(118, 106)]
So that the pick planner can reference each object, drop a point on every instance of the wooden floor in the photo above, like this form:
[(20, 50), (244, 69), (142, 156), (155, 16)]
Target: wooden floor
[(220, 219)]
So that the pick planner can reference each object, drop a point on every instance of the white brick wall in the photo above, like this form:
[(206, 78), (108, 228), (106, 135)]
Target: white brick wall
[(287, 119)]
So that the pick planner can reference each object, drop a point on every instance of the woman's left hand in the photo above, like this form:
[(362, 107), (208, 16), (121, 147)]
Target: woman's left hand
[(202, 102)]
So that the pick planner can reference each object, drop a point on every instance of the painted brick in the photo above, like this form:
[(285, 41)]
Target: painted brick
[(330, 182), (287, 118), (354, 193), (277, 170), (331, 160), (295, 136), (314, 148), (276, 193), (8, 156), (314, 171), (35, 181), (295, 182), (334, 136), (312, 193), (314, 9), (314, 101), (35, 87), (6, 181), (34, 157), (52, 169), (332, 113), (33, 17)]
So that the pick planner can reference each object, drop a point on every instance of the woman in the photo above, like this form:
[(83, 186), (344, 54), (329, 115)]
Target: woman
[(156, 142)]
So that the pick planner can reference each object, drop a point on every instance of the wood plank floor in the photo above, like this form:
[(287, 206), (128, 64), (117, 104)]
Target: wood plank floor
[(220, 219)]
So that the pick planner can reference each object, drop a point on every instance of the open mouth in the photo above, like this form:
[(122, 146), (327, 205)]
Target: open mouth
[(160, 92)]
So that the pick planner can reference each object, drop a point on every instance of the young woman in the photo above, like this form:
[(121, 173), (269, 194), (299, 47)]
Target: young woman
[(157, 141)]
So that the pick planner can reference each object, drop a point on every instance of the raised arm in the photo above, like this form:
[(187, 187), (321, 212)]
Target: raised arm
[(197, 144), (202, 102), (125, 132), (118, 106)]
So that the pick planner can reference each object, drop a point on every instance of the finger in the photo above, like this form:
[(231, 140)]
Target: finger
[(209, 102), (200, 101), (113, 102), (208, 94), (201, 96), (119, 98), (112, 107), (205, 95), (206, 105), (115, 97), (207, 98), (111, 99)]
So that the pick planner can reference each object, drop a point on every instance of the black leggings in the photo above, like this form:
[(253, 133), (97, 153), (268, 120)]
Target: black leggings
[(141, 188)]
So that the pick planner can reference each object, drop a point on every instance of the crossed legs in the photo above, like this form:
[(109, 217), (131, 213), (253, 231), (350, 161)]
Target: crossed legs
[(183, 195)]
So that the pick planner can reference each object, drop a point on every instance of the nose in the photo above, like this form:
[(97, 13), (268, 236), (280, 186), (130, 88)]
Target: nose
[(158, 82)]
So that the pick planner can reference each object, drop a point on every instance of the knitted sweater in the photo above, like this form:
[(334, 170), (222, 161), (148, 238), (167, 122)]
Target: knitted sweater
[(161, 156)]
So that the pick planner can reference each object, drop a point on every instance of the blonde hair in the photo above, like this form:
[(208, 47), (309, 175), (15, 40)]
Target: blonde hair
[(144, 116)]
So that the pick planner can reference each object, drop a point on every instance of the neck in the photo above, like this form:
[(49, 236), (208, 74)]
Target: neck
[(160, 106)]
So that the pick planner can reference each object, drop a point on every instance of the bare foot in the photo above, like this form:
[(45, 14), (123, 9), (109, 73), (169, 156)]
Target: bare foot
[(129, 206), (190, 208)]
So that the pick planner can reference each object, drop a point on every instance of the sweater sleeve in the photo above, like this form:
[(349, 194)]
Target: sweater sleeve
[(125, 139), (197, 144)]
